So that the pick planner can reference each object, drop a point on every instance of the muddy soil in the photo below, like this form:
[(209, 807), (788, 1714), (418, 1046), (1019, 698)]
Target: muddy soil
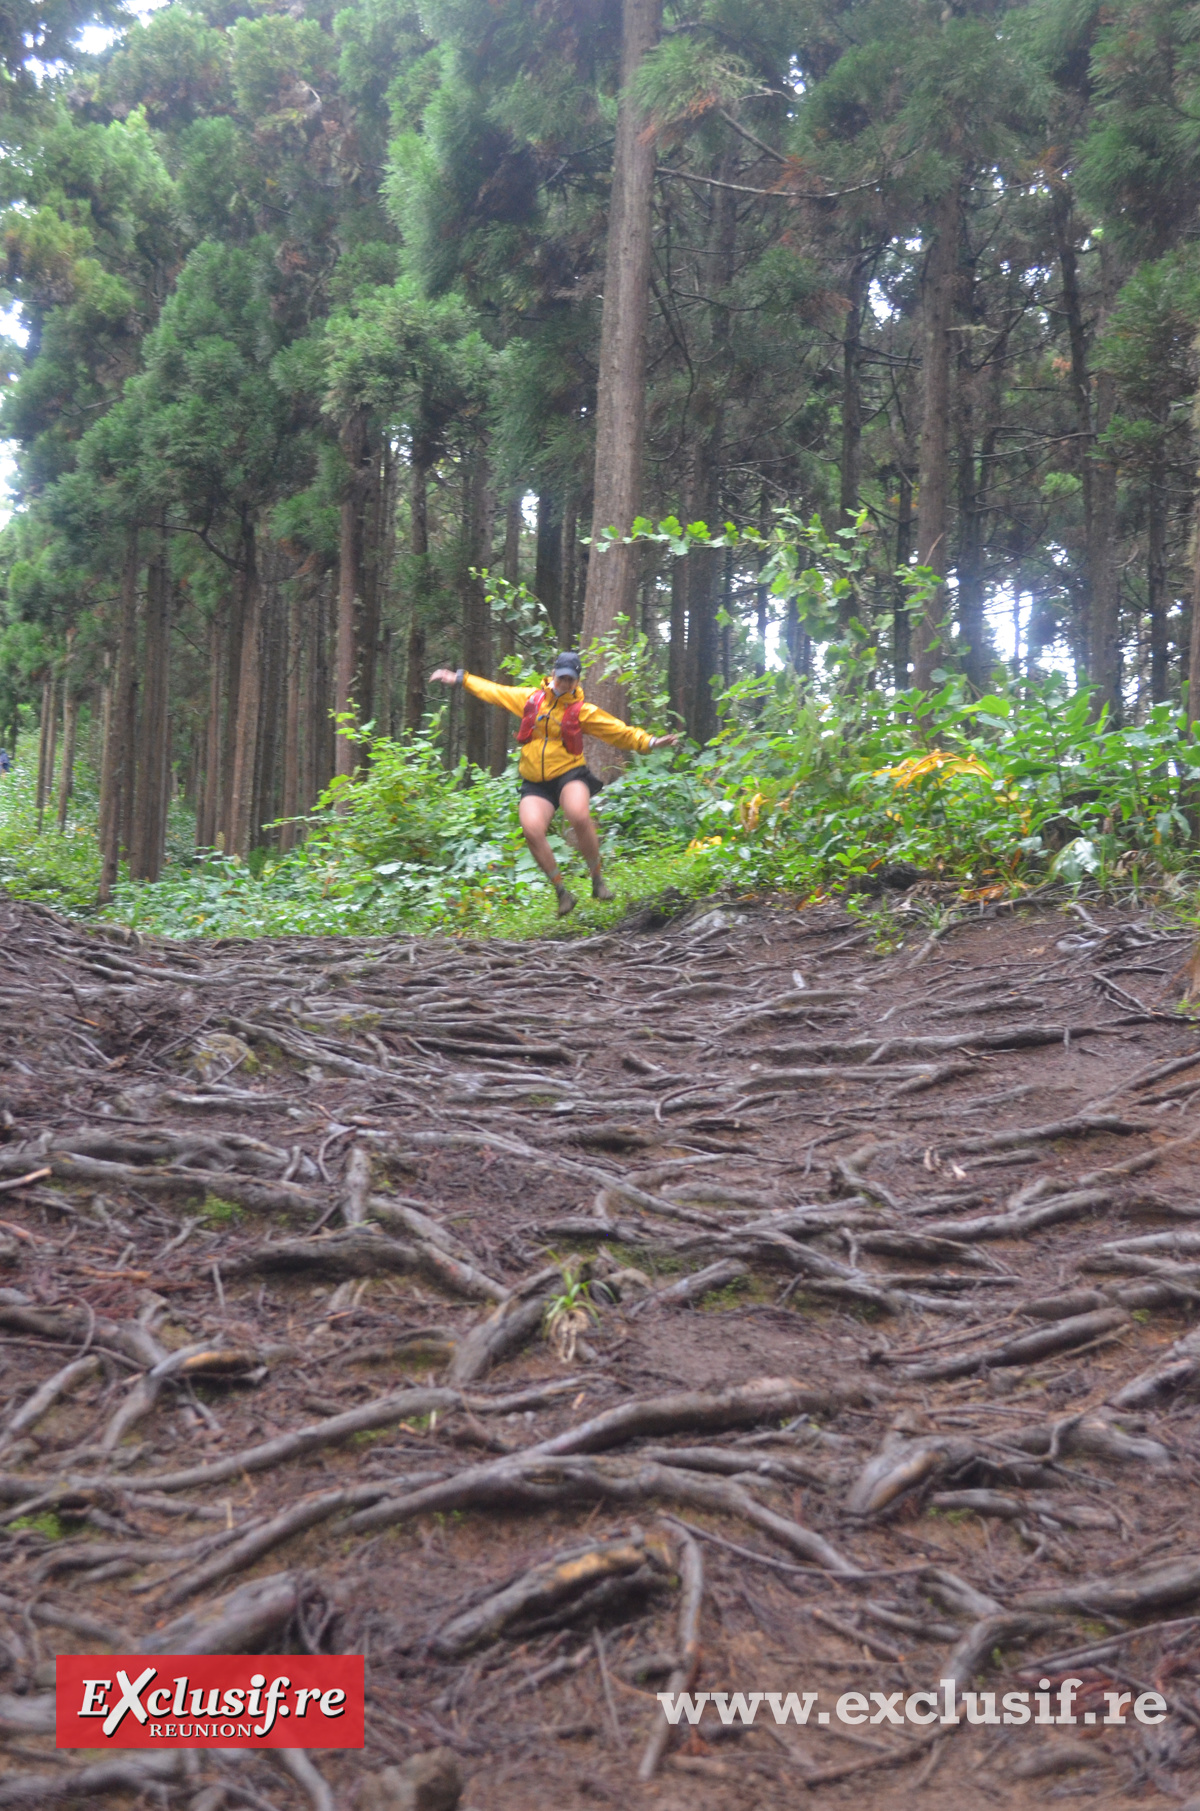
[(347, 1284)]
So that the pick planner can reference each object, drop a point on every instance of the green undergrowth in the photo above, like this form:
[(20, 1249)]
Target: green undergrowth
[(218, 1212), (58, 868), (803, 792), (225, 899), (47, 1524)]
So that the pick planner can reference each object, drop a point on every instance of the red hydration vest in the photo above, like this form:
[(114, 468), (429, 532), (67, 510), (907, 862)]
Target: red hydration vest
[(572, 734)]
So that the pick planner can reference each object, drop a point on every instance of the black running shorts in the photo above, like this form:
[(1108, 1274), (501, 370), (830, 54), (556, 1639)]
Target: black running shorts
[(552, 789)]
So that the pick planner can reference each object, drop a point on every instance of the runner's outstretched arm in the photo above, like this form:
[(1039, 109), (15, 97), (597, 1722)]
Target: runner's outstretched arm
[(510, 697), (595, 722)]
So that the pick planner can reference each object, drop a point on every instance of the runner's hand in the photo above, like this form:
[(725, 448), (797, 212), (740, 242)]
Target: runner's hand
[(445, 675), (656, 741)]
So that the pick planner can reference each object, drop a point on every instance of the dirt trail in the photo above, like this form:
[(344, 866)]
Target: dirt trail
[(281, 1226)]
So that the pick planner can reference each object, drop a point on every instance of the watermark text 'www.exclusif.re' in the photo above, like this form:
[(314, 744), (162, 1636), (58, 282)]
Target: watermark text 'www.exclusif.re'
[(945, 1705)]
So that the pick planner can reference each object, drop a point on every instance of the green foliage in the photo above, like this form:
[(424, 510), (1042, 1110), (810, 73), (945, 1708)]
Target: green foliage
[(218, 1212), (568, 1313), (1020, 782), (823, 577), (48, 1524), (574, 1295), (518, 610), (59, 869), (684, 78), (635, 665)]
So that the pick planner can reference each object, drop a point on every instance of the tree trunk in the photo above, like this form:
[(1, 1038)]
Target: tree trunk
[(548, 561), (1081, 383), (370, 617), (621, 387), (708, 410), (195, 764), (933, 493), (211, 786), (414, 666), (291, 730), (306, 780), (249, 698), (703, 582), (233, 684), (350, 575), (47, 729), (974, 468), (568, 614), (150, 821), (506, 638), (677, 644), (477, 624), (1104, 574), (66, 784), (385, 695), (851, 463), (648, 608), (385, 689), (791, 635), (310, 607), (323, 639), (116, 777), (272, 695), (1193, 690), (102, 718), (1156, 579), (129, 789), (52, 744), (901, 621)]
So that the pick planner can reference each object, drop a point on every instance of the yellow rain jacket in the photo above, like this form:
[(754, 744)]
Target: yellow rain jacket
[(544, 757)]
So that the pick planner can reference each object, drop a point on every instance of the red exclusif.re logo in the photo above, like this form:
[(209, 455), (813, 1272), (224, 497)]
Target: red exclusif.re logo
[(210, 1701)]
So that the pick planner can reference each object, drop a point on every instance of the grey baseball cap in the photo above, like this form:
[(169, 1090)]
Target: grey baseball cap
[(567, 666)]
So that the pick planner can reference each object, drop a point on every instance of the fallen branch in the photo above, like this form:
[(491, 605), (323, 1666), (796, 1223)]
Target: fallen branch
[(691, 1575), (513, 1324), (1080, 1125), (981, 1640), (259, 1197), (745, 1405), (1175, 1370), (544, 1589), (384, 1411), (24, 1181), (692, 1288), (1021, 1220), (1058, 1336), (361, 1250), (241, 1622), (44, 1398), (901, 1464), (544, 1480), (1136, 1594), (291, 1521), (145, 1774), (357, 1184), (297, 1763), (870, 1051)]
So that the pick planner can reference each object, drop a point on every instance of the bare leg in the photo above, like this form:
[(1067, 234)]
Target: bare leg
[(576, 800), (535, 815)]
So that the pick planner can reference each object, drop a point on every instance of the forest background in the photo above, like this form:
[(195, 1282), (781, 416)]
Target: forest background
[(348, 343)]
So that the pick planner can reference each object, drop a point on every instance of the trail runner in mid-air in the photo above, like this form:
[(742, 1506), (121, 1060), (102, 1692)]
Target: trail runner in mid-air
[(553, 771)]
